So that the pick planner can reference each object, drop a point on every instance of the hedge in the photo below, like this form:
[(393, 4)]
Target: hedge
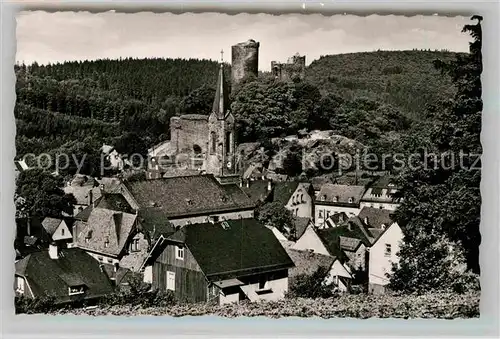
[(431, 305)]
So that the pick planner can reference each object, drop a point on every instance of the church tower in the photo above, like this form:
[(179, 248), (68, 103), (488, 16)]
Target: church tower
[(221, 148)]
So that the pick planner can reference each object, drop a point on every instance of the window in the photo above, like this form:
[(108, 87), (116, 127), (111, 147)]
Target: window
[(99, 258), (302, 198), (134, 245), (327, 214), (351, 200), (110, 260), (75, 290), (20, 285), (321, 214), (106, 242), (388, 250), (228, 143), (179, 253), (62, 231), (214, 142), (170, 281)]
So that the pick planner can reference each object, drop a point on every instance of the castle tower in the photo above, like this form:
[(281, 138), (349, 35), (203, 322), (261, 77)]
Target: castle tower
[(220, 160), (245, 61)]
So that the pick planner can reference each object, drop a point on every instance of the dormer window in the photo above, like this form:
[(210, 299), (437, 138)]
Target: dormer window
[(323, 197), (335, 199), (73, 290), (179, 253), (88, 236), (189, 202), (134, 245), (106, 242), (351, 200)]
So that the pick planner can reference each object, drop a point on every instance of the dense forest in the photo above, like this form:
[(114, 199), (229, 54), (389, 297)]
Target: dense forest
[(373, 97)]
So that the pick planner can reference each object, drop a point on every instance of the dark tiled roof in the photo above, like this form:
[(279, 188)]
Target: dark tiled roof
[(53, 277), (340, 194), (115, 202), (336, 218), (191, 195), (155, 222), (300, 224), (256, 190), (50, 225), (307, 262), (106, 226), (376, 217), (331, 238), (318, 182), (246, 247), (84, 214), (283, 191)]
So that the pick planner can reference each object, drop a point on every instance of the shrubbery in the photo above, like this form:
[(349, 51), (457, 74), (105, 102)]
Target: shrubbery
[(432, 305)]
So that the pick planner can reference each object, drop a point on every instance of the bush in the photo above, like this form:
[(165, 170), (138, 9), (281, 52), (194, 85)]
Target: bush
[(311, 286), (34, 305)]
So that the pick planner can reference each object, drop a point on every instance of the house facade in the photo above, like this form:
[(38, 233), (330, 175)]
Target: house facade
[(191, 199), (381, 194), (334, 198), (212, 262), (383, 253), (297, 197), (67, 274), (58, 229)]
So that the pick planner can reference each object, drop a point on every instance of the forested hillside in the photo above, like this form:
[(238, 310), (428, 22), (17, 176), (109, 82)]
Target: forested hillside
[(407, 80), (129, 102)]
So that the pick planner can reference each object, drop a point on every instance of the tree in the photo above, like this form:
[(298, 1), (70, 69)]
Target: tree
[(275, 214), (312, 286), (43, 194), (441, 207)]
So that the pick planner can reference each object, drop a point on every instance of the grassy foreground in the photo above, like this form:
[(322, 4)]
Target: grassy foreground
[(432, 305)]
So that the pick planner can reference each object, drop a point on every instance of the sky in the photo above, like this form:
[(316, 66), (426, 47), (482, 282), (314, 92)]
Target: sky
[(56, 37)]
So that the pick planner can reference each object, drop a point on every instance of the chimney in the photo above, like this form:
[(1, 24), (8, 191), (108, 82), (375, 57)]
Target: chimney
[(74, 233), (241, 183), (365, 220), (53, 251), (28, 226), (101, 187), (349, 226), (248, 183), (91, 198), (269, 185)]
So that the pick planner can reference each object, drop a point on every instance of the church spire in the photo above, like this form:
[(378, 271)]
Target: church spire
[(221, 101)]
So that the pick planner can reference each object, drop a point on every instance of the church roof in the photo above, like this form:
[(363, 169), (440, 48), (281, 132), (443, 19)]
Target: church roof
[(221, 100)]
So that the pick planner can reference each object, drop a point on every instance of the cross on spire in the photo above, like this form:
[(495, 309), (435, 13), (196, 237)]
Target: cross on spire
[(221, 55)]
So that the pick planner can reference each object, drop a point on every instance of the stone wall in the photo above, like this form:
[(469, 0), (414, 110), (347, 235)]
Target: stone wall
[(245, 61), (189, 133), (295, 67)]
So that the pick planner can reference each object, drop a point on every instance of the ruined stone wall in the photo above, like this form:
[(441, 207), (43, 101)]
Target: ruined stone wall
[(295, 67), (187, 131), (245, 61)]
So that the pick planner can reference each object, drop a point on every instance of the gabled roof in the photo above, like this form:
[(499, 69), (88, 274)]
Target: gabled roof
[(340, 194), (246, 247), (191, 195), (105, 226), (51, 224), (331, 238), (154, 221), (376, 217), (256, 190), (336, 219), (82, 193), (115, 202), (284, 190), (53, 277), (307, 262), (300, 224)]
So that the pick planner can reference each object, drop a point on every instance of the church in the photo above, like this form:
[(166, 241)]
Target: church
[(200, 144)]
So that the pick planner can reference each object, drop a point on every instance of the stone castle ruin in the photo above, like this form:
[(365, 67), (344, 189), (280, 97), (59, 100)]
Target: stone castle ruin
[(245, 61), (294, 68), (206, 143)]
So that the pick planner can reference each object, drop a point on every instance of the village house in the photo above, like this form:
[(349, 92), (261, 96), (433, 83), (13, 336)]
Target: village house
[(224, 262), (85, 190), (259, 190), (384, 250), (67, 275), (113, 236), (59, 230), (381, 194), (334, 198), (308, 262), (297, 197), (192, 199), (115, 159)]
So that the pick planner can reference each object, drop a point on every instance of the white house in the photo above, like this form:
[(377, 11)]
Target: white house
[(383, 253), (334, 198)]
